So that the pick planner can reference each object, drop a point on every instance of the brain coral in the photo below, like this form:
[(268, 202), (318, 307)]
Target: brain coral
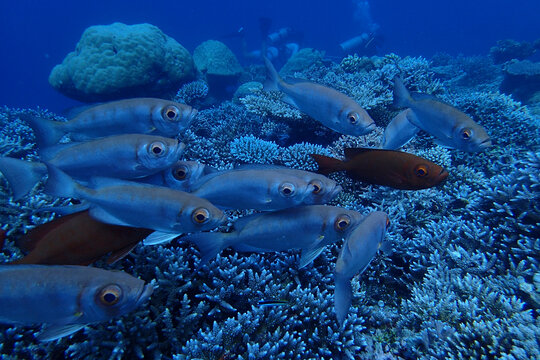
[(118, 61)]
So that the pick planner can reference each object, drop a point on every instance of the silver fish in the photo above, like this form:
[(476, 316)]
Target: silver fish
[(330, 107), (399, 131), (451, 127), (261, 187), (309, 228), (123, 156), (134, 204), (181, 176), (66, 297), (138, 115), (358, 250)]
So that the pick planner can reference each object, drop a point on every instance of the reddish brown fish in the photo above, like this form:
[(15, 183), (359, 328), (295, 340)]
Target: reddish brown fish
[(78, 239), (396, 169)]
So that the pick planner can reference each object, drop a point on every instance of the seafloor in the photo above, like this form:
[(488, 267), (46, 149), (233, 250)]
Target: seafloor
[(463, 280)]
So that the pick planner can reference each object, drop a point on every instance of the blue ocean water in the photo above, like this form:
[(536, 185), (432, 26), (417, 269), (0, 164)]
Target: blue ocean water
[(462, 279)]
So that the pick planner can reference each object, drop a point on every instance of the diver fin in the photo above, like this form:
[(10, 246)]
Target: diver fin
[(308, 255), (55, 332), (159, 237), (328, 164), (120, 254), (402, 98), (342, 298), (21, 175), (47, 132)]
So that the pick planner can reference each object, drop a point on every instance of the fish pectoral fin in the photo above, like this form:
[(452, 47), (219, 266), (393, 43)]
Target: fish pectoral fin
[(308, 255), (159, 237), (55, 332), (442, 143), (289, 100), (120, 254)]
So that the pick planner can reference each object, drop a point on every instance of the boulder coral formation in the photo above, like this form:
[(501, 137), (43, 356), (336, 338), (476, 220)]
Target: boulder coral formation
[(120, 61)]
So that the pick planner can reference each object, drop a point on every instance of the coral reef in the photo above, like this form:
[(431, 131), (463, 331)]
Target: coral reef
[(462, 281), (118, 61), (509, 49), (521, 79)]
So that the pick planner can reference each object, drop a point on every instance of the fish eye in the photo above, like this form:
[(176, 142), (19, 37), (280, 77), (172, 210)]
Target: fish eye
[(171, 113), (421, 170), (466, 134), (352, 117), (200, 215), (317, 186), (180, 173), (157, 148), (110, 295), (286, 189), (342, 222)]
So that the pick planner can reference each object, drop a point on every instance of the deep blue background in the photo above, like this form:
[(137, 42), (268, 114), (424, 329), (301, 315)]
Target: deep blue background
[(36, 35)]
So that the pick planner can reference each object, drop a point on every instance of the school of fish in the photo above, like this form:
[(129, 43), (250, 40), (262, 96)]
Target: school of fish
[(124, 165)]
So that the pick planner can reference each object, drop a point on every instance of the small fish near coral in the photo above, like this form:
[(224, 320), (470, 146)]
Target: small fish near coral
[(309, 228), (265, 188), (66, 298), (78, 239), (126, 156), (128, 203), (451, 127), (137, 115), (359, 248), (330, 107), (396, 169)]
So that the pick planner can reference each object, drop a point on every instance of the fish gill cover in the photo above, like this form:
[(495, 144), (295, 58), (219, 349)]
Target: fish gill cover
[(463, 280)]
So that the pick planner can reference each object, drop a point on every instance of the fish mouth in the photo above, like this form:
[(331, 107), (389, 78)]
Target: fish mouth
[(146, 291), (443, 175), (370, 127), (485, 144)]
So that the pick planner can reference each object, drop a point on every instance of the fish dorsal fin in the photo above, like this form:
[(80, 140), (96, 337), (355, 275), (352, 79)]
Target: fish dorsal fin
[(352, 152), (121, 253), (50, 152), (423, 96), (261, 167), (292, 80), (75, 111)]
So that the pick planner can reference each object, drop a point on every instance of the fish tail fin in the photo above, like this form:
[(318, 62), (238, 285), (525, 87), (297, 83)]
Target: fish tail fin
[(272, 77), (342, 298), (402, 97), (210, 244), (59, 183), (328, 164), (47, 132), (21, 175)]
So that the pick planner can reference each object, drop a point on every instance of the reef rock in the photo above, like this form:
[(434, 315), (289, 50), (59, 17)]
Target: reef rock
[(509, 49), (521, 79), (214, 59), (301, 61), (119, 61)]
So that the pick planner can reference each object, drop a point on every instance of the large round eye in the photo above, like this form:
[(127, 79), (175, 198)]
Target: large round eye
[(342, 222), (352, 117), (466, 134), (317, 186), (110, 295), (200, 215), (157, 148), (171, 113), (286, 189), (180, 173), (421, 170)]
